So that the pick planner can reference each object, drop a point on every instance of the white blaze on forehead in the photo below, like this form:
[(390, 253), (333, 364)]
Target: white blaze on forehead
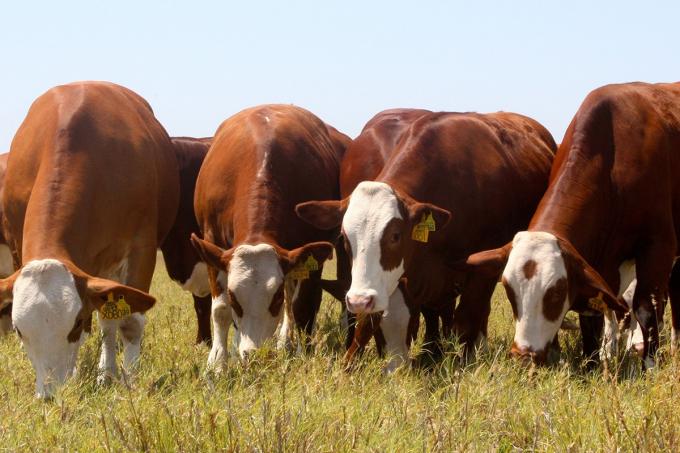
[(371, 207), (44, 310), (255, 275), (532, 329)]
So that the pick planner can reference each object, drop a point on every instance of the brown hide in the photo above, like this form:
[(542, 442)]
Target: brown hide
[(179, 255), (91, 179), (263, 161), (614, 190)]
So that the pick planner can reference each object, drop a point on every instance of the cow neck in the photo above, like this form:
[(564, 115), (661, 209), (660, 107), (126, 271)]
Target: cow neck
[(579, 205)]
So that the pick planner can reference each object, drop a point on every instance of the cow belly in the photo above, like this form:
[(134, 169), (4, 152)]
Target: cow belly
[(197, 284), (6, 261)]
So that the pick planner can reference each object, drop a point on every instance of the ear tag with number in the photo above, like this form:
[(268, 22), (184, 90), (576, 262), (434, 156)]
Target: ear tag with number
[(597, 303), (302, 269), (421, 230), (115, 309)]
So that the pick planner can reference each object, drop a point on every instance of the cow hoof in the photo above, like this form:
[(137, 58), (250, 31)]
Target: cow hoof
[(105, 378), (638, 349)]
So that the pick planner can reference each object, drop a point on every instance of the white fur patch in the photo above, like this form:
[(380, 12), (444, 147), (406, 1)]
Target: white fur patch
[(532, 329), (6, 261), (255, 275), (198, 284), (44, 310), (394, 325), (371, 207)]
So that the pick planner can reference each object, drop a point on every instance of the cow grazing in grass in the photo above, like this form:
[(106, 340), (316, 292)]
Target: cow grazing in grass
[(6, 258), (455, 183), (264, 262), (91, 190), (182, 262), (363, 160), (611, 213)]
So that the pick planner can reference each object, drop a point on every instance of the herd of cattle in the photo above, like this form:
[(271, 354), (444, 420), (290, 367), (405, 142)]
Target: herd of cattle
[(421, 208)]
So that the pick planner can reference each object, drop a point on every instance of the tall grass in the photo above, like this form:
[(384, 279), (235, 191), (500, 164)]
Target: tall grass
[(291, 402)]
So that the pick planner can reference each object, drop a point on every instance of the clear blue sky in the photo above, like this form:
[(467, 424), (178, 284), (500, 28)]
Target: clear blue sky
[(198, 63)]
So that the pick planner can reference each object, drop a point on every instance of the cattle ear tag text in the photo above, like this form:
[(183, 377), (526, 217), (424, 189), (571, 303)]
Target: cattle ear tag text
[(302, 269), (597, 303), (421, 230), (115, 309)]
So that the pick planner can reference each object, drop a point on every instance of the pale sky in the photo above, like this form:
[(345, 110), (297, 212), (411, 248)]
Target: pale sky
[(197, 63)]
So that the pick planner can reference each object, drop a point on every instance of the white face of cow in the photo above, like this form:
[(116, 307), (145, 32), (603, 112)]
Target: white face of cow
[(45, 306), (255, 284), (535, 279), (372, 219)]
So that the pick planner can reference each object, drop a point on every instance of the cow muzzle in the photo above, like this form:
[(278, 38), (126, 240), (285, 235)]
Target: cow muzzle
[(363, 304), (528, 356)]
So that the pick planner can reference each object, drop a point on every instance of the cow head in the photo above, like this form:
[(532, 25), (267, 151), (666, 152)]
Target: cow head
[(381, 228), (543, 277), (52, 304), (253, 276)]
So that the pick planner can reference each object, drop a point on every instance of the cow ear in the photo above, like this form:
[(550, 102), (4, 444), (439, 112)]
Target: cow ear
[(418, 211), (211, 254), (101, 291), (7, 289), (324, 215), (317, 251), (585, 281), (489, 262)]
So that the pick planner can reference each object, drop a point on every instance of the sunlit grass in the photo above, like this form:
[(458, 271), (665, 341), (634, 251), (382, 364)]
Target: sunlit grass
[(291, 402)]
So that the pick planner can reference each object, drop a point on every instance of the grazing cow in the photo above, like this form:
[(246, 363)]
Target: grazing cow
[(91, 191), (363, 160), (6, 258), (265, 263), (455, 183), (182, 262), (611, 213)]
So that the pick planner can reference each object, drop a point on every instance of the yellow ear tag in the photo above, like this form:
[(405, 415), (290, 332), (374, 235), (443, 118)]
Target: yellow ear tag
[(311, 264), (597, 303), (429, 221), (115, 309), (421, 231), (299, 272)]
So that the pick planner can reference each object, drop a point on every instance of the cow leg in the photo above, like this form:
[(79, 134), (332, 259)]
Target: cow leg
[(285, 340), (610, 337), (131, 329), (395, 329), (653, 270), (202, 306), (674, 296), (306, 306), (5, 320), (591, 333), (221, 321), (107, 359), (472, 313), (432, 342)]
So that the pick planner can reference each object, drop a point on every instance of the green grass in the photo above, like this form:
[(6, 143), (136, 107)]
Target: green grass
[(289, 402)]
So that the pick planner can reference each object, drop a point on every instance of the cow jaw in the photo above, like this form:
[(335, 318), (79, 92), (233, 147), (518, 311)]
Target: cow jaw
[(372, 206), (45, 307), (254, 278), (535, 278)]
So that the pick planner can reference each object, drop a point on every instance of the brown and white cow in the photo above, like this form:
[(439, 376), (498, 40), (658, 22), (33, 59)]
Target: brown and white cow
[(6, 258), (91, 190), (263, 161), (363, 160), (455, 183), (182, 262), (611, 214)]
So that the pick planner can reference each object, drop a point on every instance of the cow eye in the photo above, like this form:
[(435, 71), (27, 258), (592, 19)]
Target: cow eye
[(396, 237)]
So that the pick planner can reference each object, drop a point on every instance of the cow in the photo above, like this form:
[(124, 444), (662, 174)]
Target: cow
[(455, 183), (91, 190), (611, 214), (264, 262), (363, 160), (182, 262), (6, 257)]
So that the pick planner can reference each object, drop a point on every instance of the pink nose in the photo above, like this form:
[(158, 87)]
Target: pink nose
[(360, 304)]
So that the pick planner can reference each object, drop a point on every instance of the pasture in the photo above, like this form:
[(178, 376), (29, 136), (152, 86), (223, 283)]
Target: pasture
[(293, 402)]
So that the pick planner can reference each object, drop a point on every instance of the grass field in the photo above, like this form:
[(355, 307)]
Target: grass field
[(308, 403)]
